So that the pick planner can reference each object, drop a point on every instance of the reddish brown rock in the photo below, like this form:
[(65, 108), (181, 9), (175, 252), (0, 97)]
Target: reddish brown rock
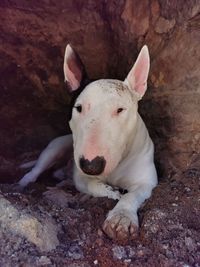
[(108, 36)]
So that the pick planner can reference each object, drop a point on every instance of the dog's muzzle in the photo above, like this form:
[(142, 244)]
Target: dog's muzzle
[(93, 167)]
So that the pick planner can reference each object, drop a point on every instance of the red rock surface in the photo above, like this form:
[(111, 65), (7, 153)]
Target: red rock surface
[(107, 35)]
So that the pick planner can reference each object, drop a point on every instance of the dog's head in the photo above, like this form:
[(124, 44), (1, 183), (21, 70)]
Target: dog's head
[(104, 114)]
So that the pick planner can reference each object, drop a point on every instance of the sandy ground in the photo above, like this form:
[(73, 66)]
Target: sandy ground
[(62, 227)]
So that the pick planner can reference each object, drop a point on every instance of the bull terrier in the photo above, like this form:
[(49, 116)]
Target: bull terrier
[(112, 147)]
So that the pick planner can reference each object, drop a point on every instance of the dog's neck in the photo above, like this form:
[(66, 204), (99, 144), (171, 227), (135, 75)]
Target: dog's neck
[(138, 139)]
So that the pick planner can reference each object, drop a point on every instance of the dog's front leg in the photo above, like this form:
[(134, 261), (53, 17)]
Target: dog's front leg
[(99, 189), (122, 222), (95, 187), (56, 150)]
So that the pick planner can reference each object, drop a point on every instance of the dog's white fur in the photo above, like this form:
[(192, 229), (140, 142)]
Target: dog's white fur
[(120, 137)]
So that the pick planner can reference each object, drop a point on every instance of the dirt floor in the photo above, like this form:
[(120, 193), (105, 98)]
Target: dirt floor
[(63, 227)]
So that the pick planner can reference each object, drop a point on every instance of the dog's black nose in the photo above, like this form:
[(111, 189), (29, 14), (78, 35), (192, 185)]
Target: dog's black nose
[(93, 167)]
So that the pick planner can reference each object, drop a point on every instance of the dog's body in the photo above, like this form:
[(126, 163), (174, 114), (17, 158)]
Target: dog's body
[(112, 147)]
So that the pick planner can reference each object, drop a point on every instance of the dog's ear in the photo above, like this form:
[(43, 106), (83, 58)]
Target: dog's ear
[(137, 77), (73, 67)]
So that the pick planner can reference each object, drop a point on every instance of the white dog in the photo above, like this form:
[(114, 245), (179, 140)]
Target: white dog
[(112, 147)]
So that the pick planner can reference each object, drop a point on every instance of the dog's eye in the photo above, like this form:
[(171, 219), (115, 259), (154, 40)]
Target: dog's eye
[(78, 108), (119, 110)]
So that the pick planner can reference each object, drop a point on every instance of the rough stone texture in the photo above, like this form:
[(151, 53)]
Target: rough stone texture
[(108, 36), (41, 233), (169, 227)]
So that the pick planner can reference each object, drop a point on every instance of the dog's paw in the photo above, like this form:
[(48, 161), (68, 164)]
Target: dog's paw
[(121, 226), (112, 193), (28, 178)]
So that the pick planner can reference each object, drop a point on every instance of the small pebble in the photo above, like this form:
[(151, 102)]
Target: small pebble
[(187, 189), (75, 252), (99, 232), (119, 252), (44, 260), (140, 253), (166, 246), (127, 260)]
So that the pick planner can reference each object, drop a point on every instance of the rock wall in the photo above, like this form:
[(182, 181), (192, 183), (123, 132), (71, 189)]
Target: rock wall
[(108, 36)]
